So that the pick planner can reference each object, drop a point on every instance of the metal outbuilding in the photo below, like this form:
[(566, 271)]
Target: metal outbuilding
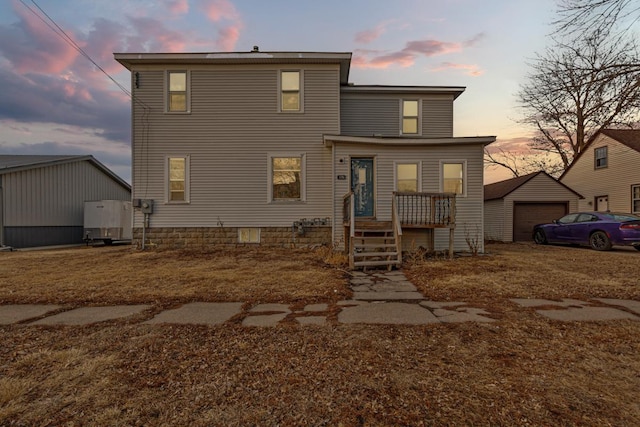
[(42, 197)]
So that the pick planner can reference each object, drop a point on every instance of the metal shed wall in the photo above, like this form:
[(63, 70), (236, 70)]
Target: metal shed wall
[(45, 205)]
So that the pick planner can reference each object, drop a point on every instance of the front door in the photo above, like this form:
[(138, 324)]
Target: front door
[(362, 186)]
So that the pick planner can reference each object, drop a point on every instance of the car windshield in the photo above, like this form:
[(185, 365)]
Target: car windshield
[(621, 217)]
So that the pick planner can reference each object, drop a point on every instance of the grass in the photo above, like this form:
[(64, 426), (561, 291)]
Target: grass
[(521, 370)]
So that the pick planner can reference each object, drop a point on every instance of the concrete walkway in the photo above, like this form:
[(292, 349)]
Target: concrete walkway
[(378, 298)]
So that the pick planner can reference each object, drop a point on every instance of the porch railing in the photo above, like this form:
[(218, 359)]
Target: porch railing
[(426, 210)]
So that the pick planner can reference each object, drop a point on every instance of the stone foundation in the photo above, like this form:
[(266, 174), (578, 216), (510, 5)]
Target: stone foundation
[(183, 237)]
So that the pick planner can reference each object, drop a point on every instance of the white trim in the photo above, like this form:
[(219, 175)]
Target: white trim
[(252, 235), (167, 92), (464, 174), (418, 164), (300, 92), (187, 179), (418, 117), (633, 199), (303, 176)]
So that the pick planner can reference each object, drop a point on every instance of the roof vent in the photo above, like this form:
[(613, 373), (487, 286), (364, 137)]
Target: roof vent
[(256, 49)]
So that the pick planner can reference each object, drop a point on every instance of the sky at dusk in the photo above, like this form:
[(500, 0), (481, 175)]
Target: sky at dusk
[(55, 101)]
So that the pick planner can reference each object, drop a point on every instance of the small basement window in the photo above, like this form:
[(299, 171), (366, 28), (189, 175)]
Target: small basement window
[(248, 235)]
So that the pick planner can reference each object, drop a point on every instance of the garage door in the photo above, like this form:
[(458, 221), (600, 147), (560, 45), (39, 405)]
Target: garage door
[(526, 215)]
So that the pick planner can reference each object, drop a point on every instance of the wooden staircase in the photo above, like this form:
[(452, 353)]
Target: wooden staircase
[(374, 245)]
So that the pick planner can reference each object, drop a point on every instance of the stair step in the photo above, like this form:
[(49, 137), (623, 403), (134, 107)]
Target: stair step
[(375, 263), (373, 245), (368, 254)]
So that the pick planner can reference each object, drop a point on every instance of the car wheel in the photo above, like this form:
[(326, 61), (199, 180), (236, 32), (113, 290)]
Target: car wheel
[(539, 237), (637, 248), (599, 241)]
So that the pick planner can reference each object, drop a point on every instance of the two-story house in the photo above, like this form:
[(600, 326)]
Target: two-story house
[(279, 148), (607, 172)]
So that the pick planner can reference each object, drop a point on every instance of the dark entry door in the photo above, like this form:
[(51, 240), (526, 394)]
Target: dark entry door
[(362, 186)]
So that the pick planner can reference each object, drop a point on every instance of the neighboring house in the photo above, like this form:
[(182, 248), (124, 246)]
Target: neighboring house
[(512, 207), (262, 147), (42, 197), (607, 172)]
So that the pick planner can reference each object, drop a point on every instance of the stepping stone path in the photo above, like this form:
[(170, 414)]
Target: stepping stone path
[(384, 297)]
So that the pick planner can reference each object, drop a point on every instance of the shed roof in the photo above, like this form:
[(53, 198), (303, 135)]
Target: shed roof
[(501, 189), (16, 163)]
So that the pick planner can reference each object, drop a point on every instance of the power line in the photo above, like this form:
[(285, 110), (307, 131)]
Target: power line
[(69, 40)]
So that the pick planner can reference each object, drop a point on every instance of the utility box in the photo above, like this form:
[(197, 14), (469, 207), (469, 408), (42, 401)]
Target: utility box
[(108, 220)]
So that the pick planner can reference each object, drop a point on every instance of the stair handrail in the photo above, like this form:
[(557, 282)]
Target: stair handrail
[(397, 227)]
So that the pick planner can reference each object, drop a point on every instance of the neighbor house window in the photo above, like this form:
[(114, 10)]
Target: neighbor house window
[(287, 179), (601, 157), (177, 179), (635, 199), (410, 116), (290, 95), (177, 91), (408, 177), (453, 177)]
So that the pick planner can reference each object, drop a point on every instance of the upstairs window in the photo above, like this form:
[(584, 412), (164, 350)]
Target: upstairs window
[(453, 177), (407, 177), (600, 155), (290, 99), (286, 178), (177, 91), (177, 183), (410, 117)]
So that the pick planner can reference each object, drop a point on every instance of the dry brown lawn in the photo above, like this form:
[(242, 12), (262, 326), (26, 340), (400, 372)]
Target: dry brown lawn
[(521, 370)]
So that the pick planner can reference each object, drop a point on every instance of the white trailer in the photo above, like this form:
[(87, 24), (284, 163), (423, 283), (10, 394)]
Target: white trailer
[(107, 220)]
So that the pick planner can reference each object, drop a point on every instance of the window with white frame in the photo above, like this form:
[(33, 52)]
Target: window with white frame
[(290, 92), (177, 92), (248, 235), (453, 177), (177, 168), (286, 177), (408, 177), (600, 157), (410, 117), (635, 199)]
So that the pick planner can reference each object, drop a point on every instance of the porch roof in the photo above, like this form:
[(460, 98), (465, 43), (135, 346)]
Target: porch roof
[(329, 140)]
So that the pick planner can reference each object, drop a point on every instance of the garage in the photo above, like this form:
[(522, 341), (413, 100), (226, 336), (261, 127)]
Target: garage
[(527, 214), (513, 206)]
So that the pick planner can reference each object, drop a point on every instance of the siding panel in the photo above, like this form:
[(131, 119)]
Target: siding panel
[(614, 181), (233, 126)]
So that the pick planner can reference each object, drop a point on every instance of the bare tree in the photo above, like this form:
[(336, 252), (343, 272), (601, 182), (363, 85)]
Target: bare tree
[(520, 164), (583, 16), (576, 89)]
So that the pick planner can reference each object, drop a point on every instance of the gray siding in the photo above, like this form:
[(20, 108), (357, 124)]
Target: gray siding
[(379, 114), (55, 195), (233, 125), (614, 181), (494, 220), (469, 207)]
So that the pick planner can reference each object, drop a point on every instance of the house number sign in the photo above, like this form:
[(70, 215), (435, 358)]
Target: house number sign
[(342, 177)]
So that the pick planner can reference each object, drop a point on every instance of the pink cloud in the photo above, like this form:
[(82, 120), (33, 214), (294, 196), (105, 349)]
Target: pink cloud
[(228, 37), (216, 10), (472, 69), (177, 7), (367, 36), (153, 36), (517, 146), (412, 50), (37, 49)]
